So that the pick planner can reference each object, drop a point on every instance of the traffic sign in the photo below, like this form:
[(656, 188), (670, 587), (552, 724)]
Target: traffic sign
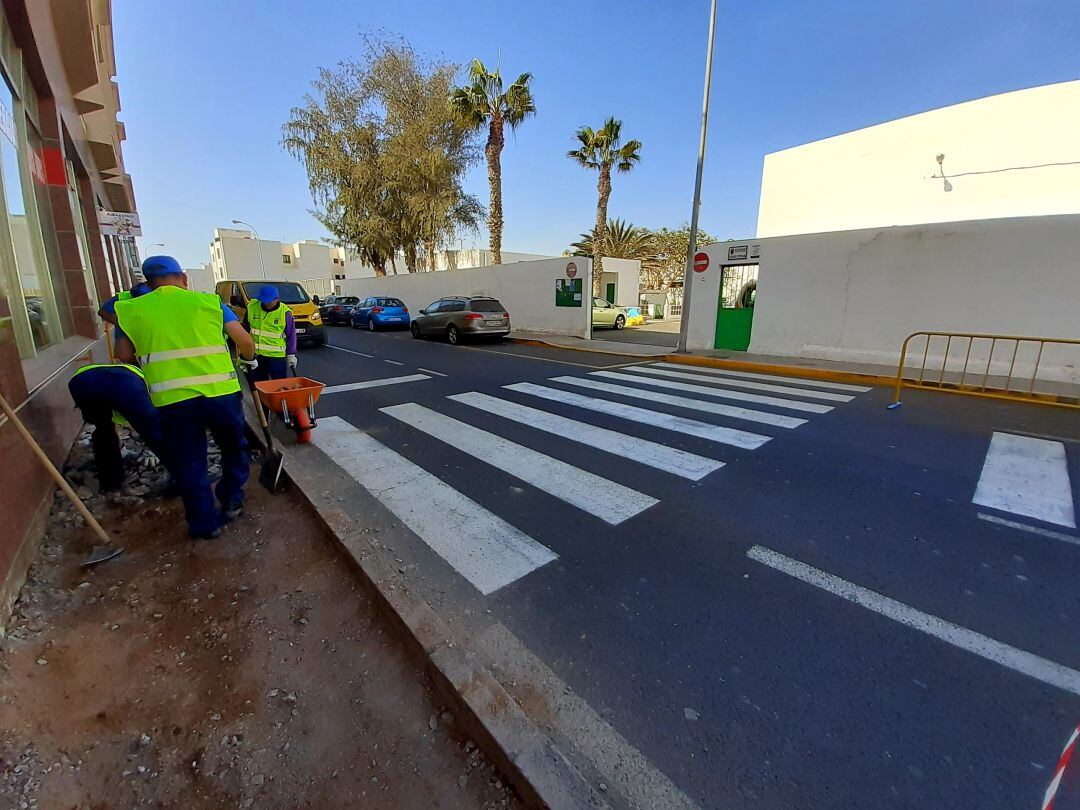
[(701, 262)]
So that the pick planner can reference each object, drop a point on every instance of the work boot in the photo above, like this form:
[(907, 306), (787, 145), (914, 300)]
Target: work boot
[(232, 512), (212, 535)]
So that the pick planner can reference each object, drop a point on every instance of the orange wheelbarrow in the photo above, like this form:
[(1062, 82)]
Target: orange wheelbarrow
[(293, 399)]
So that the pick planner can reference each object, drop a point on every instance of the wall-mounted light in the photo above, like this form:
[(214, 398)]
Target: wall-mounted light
[(941, 167)]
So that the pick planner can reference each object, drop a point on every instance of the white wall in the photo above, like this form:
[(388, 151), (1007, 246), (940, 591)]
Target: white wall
[(855, 295), (200, 279), (626, 273), (882, 175), (526, 289)]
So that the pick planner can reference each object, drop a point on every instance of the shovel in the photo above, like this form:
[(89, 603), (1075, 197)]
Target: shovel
[(273, 461)]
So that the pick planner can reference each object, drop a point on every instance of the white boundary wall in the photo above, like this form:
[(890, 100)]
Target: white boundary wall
[(526, 289), (855, 295)]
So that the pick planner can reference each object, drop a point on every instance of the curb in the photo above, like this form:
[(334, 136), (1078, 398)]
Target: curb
[(807, 372), (527, 756)]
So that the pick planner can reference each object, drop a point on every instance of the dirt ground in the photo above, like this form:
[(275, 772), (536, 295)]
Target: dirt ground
[(250, 671)]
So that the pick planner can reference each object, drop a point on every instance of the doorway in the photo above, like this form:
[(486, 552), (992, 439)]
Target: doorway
[(735, 308)]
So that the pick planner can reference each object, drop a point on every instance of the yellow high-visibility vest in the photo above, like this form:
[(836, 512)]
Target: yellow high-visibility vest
[(268, 329)]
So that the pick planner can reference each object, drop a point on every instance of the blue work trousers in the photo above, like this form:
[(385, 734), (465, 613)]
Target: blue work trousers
[(98, 393), (184, 425), (270, 368)]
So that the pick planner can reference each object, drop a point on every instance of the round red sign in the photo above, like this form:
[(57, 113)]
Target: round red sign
[(571, 269), (701, 262)]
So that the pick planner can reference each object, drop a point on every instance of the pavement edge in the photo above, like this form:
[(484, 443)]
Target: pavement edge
[(524, 752)]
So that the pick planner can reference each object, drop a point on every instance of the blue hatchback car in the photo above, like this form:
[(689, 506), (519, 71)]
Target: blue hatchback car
[(378, 312)]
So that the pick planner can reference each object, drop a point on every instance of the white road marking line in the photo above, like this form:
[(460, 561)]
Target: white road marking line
[(337, 389), (609, 501), (1027, 476), (630, 448), (738, 396), (393, 362), (1034, 666), (735, 412), (482, 547), (350, 351), (429, 371), (678, 424), (754, 375), (1015, 524), (774, 389)]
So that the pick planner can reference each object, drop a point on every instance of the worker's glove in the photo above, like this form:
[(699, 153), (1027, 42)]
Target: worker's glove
[(248, 365), (292, 360)]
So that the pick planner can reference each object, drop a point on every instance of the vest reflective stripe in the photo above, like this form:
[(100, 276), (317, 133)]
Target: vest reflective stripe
[(176, 354), (268, 329), (186, 382), (133, 369), (180, 335)]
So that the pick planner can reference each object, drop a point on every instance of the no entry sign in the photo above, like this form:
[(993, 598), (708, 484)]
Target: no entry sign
[(571, 269), (701, 262)]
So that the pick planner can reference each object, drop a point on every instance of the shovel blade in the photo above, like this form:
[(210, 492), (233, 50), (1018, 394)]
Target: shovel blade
[(270, 474)]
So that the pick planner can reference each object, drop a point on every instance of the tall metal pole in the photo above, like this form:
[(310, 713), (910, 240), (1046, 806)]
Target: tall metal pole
[(684, 324), (258, 244)]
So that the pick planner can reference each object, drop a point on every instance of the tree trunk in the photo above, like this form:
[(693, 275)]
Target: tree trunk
[(495, 211), (430, 257), (603, 193), (393, 262), (410, 257)]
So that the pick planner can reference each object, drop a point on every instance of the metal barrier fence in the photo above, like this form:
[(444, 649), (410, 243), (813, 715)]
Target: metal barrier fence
[(984, 382)]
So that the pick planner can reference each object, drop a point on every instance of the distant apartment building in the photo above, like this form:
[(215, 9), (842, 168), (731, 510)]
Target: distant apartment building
[(237, 254), (1010, 155)]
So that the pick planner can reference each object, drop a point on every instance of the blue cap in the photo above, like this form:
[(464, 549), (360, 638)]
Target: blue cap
[(157, 266), (268, 294)]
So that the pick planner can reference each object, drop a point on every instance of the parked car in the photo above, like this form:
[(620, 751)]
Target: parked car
[(309, 325), (378, 312), (336, 309), (605, 313), (458, 317)]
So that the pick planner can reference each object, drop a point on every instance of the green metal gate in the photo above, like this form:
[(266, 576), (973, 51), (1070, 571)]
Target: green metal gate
[(735, 307)]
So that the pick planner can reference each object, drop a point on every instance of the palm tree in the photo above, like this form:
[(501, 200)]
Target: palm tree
[(602, 150), (484, 101), (623, 241)]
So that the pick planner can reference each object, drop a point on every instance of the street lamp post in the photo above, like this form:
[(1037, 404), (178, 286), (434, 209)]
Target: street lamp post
[(258, 244), (688, 272)]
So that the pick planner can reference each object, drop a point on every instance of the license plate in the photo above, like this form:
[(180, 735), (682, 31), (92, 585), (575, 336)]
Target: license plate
[(393, 319), (300, 330), (494, 323)]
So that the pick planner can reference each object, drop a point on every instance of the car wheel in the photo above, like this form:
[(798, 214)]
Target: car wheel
[(320, 342), (620, 321), (371, 325), (415, 330), (452, 335)]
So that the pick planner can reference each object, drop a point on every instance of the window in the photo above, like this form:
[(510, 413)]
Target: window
[(433, 308), (386, 302), (290, 291), (600, 303), (235, 299), (455, 306), (486, 305), (286, 258)]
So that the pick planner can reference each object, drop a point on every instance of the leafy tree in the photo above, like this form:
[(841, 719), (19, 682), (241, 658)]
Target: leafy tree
[(385, 158), (671, 250), (483, 101), (603, 150)]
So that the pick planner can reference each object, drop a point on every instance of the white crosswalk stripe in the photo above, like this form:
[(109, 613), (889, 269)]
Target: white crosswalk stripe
[(483, 548), (607, 500), (755, 386), (642, 451), (721, 393), (678, 424), (733, 411), (356, 386), (755, 375)]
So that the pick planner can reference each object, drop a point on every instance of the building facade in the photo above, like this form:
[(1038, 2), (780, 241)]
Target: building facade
[(60, 163), (1009, 155)]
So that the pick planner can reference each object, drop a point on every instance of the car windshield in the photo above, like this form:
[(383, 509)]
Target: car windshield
[(290, 291), (486, 305), (347, 299), (388, 302)]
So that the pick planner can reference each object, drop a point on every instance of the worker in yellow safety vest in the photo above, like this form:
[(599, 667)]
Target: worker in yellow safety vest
[(179, 339), (272, 326)]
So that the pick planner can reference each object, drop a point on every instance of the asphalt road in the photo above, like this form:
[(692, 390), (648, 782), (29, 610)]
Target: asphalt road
[(825, 621)]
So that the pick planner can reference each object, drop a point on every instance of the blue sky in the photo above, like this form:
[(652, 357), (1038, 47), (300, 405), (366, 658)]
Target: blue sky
[(206, 85)]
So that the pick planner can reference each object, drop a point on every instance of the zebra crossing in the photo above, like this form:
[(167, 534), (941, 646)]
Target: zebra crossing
[(488, 550)]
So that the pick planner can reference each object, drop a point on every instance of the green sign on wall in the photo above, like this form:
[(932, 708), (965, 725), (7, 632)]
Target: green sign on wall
[(568, 292)]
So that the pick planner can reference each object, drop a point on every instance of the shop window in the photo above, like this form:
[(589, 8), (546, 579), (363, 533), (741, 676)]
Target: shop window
[(82, 234), (286, 258), (29, 285)]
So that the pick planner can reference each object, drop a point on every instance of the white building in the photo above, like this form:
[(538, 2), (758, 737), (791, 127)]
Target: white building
[(1009, 155)]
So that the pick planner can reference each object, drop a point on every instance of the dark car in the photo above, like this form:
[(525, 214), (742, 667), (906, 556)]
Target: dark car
[(458, 317), (336, 309), (377, 312)]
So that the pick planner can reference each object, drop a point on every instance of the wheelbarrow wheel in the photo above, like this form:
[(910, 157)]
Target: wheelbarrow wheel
[(302, 426)]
